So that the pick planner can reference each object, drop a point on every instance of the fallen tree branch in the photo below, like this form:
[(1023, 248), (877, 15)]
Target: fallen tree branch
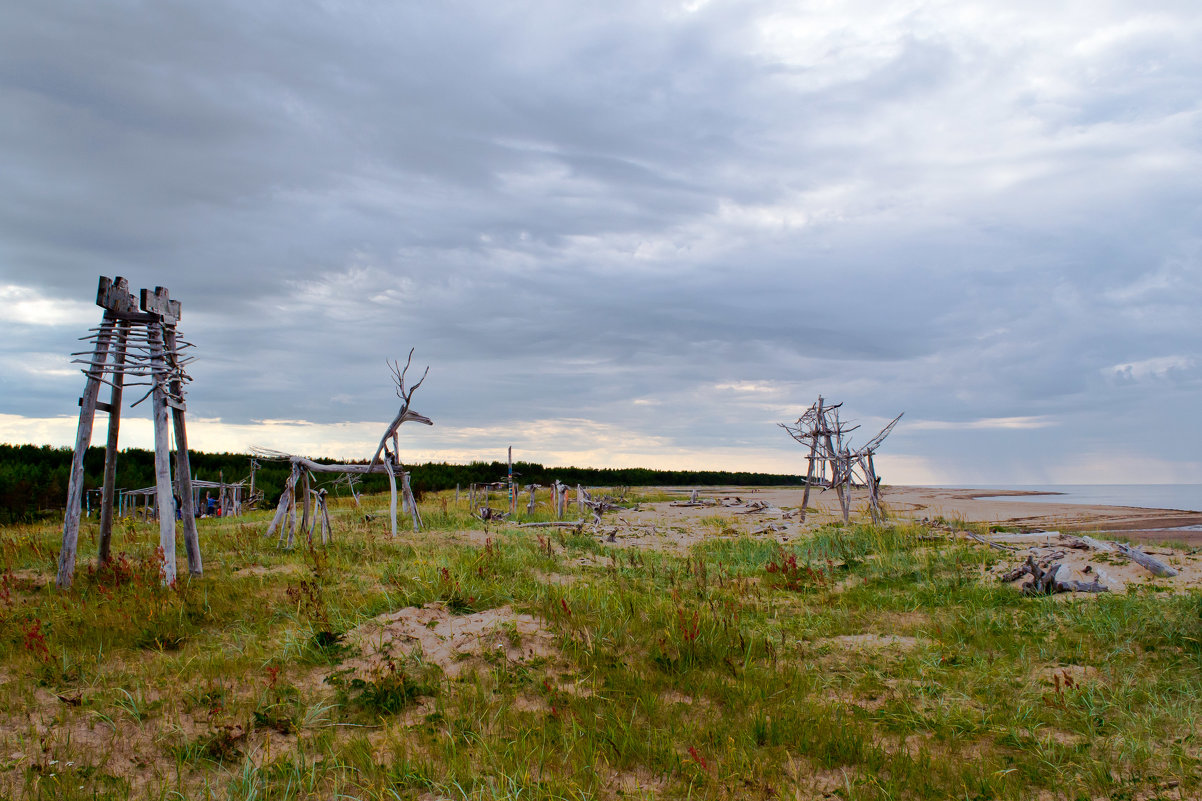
[(990, 543), (1154, 566)]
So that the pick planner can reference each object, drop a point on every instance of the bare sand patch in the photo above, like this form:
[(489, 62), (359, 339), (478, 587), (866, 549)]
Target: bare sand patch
[(452, 642), (561, 579), (870, 642), (1067, 675), (291, 569)]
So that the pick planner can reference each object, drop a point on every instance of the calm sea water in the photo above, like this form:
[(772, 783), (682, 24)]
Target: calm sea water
[(1186, 497)]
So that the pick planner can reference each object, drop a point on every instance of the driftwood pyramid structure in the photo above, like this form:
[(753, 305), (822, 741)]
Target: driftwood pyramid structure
[(137, 344), (300, 479), (833, 462)]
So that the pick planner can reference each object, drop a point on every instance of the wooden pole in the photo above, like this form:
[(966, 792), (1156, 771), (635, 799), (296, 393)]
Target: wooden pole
[(83, 438), (183, 472), (162, 456), (110, 447)]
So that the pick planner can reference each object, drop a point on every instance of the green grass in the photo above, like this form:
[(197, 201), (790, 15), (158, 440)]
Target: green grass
[(860, 662)]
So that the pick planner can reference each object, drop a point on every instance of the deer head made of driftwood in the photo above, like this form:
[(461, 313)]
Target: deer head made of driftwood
[(405, 415)]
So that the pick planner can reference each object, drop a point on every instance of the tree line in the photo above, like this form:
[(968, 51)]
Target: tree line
[(33, 478)]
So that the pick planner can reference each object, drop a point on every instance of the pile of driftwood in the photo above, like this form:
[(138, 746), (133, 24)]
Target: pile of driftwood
[(1048, 574), (833, 463)]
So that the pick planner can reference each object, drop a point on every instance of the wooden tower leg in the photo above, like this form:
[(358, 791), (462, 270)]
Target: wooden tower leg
[(162, 456), (110, 448), (83, 438), (183, 472)]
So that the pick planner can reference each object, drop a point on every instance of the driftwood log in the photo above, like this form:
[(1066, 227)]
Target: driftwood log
[(1154, 566), (1047, 581)]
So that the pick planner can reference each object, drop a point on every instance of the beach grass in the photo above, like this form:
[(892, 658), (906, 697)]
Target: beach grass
[(858, 662)]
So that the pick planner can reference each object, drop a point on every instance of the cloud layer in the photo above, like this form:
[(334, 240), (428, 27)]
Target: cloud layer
[(631, 231)]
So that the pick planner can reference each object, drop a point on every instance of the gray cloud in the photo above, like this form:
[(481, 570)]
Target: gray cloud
[(970, 213)]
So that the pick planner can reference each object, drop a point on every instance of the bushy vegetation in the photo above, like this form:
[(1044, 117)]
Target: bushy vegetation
[(33, 478), (860, 663)]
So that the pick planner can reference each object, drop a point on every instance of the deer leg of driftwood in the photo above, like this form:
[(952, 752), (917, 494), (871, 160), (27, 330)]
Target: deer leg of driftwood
[(281, 509), (292, 509), (306, 522), (328, 535), (417, 518), (391, 495)]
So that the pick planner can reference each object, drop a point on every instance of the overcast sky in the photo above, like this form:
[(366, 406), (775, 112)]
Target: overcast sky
[(624, 233)]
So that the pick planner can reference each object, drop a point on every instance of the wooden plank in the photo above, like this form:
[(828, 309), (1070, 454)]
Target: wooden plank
[(114, 296), (160, 304), (101, 405)]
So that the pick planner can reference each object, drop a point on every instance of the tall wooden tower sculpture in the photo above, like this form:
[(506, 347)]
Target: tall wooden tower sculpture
[(139, 342)]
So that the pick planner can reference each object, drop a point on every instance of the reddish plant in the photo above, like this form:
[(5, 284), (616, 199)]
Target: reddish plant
[(690, 628), (35, 642), (792, 576)]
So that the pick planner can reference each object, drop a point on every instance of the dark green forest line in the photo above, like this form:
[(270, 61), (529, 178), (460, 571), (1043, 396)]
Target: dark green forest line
[(33, 478)]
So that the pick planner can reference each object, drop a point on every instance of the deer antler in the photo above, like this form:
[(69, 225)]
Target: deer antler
[(405, 414)]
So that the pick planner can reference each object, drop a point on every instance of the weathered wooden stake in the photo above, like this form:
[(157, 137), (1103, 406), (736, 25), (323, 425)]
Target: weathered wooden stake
[(83, 438), (110, 447), (164, 501)]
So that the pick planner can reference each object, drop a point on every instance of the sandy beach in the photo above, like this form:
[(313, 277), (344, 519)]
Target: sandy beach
[(969, 505)]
